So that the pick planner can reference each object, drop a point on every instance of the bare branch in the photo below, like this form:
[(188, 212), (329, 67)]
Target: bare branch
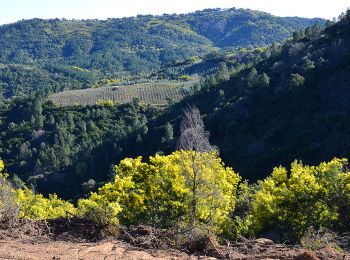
[(193, 135)]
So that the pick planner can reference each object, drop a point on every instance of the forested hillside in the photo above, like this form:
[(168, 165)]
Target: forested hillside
[(291, 105), (60, 52), (178, 131), (262, 106)]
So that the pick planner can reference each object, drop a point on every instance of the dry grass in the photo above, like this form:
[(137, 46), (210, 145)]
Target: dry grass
[(157, 93)]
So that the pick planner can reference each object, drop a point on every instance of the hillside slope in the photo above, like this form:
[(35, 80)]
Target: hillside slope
[(293, 105), (140, 43), (156, 93)]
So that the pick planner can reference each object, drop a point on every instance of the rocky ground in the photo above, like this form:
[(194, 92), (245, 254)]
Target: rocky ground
[(31, 240), (35, 249)]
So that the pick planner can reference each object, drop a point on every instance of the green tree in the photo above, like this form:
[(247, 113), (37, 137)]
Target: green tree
[(51, 120), (298, 35), (264, 80), (252, 78), (168, 133), (70, 121), (38, 113), (308, 64), (223, 73), (296, 80)]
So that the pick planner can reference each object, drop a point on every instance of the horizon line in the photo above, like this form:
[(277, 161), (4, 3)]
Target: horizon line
[(158, 15)]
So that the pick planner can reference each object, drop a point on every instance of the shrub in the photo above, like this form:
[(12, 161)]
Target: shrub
[(23, 203), (240, 217), (8, 205), (161, 192), (308, 196), (36, 206), (98, 209), (185, 77), (105, 103)]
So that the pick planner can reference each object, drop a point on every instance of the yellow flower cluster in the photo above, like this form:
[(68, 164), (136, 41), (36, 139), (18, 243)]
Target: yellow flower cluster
[(162, 191), (307, 196)]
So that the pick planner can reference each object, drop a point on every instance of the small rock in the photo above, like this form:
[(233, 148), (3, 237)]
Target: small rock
[(306, 255), (264, 241)]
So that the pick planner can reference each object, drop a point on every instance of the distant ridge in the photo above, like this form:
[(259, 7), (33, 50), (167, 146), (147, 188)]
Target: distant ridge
[(136, 44)]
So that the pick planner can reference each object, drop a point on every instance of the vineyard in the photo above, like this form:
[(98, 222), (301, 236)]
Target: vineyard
[(156, 93)]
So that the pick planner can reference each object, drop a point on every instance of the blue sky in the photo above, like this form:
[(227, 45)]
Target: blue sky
[(14, 10)]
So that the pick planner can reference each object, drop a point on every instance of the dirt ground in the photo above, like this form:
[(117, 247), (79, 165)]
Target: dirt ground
[(43, 248), (83, 241), (30, 249)]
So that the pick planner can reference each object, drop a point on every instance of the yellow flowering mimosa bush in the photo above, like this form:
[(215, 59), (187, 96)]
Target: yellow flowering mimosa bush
[(315, 196), (36, 206), (98, 209), (24, 203), (210, 187), (185, 186)]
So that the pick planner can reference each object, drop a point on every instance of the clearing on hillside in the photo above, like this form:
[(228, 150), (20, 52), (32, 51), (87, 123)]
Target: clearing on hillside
[(155, 93)]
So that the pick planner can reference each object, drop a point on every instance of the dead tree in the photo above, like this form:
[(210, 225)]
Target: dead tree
[(194, 138), (193, 135)]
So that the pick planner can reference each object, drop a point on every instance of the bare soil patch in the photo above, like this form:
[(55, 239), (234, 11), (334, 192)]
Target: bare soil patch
[(80, 239)]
